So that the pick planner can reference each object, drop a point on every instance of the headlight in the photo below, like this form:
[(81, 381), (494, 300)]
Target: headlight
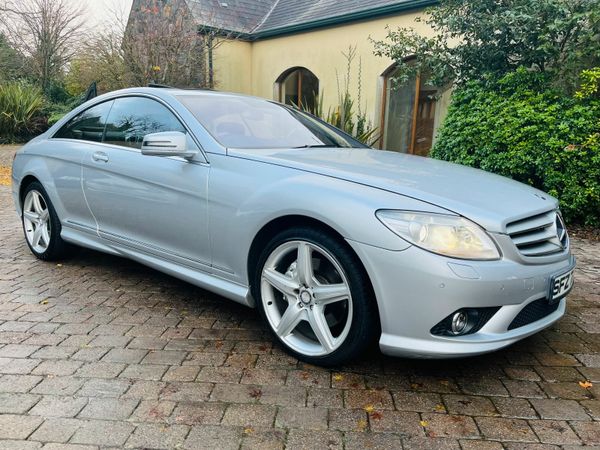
[(446, 235)]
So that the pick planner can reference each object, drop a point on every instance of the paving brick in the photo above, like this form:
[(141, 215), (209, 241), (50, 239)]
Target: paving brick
[(19, 366), (303, 418), (211, 437), (447, 425), (56, 430), (469, 405), (57, 367), (559, 409), (144, 372), (99, 387), (181, 373), (310, 439), (506, 429), (100, 370), (14, 403), (124, 355), (429, 443), (588, 432), (108, 409), (18, 383), (17, 350), (362, 398), (17, 426), (518, 408), (58, 386), (153, 411), (58, 406), (199, 413), (249, 415), (158, 436), (554, 432), (98, 432), (19, 445)]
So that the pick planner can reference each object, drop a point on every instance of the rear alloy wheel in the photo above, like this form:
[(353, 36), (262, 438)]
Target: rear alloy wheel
[(41, 224), (315, 297)]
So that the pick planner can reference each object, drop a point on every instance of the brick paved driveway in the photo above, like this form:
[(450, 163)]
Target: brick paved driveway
[(102, 352)]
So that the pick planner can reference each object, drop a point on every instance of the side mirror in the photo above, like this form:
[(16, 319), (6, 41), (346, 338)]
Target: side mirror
[(167, 143)]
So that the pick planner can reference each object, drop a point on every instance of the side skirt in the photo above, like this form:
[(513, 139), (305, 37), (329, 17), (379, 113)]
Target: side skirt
[(210, 282)]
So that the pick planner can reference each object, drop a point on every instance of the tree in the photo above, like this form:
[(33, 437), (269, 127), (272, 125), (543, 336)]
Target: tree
[(45, 31), (163, 43), (478, 38), (12, 63)]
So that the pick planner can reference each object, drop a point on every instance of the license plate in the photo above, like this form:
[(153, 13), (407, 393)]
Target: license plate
[(560, 285)]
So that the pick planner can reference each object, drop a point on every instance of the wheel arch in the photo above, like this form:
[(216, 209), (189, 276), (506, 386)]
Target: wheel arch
[(296, 220), (25, 182)]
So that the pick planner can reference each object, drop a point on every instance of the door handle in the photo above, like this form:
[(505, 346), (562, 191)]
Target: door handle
[(100, 156)]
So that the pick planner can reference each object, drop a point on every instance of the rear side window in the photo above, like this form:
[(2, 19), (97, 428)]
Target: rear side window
[(131, 118), (87, 125)]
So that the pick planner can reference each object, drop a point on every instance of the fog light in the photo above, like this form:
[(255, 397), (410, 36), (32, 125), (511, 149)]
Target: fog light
[(459, 322)]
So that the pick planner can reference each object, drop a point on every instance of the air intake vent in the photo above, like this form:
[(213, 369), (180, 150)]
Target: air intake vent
[(540, 235)]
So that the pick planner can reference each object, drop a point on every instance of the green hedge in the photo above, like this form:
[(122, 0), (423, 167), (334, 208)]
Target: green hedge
[(521, 128)]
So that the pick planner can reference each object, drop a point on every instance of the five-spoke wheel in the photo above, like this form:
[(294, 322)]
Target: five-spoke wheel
[(36, 221), (315, 296), (41, 225)]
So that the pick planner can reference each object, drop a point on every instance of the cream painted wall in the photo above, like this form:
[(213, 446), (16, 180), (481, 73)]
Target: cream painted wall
[(233, 66), (253, 68)]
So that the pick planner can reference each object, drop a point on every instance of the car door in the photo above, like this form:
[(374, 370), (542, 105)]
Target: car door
[(77, 138), (157, 205)]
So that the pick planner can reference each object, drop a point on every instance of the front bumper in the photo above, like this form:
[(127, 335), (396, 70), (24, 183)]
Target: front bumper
[(416, 289)]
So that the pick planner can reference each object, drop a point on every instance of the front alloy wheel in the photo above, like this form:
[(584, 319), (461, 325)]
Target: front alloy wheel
[(315, 297)]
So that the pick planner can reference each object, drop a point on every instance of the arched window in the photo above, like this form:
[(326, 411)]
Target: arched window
[(298, 87), (408, 114)]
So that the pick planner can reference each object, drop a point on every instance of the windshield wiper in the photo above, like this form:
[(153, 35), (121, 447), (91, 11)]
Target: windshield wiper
[(319, 146)]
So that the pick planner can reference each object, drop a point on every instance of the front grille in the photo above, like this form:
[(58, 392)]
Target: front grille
[(540, 235), (535, 310)]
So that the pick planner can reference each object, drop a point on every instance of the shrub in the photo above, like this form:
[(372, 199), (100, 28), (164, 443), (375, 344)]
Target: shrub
[(520, 128), (20, 112)]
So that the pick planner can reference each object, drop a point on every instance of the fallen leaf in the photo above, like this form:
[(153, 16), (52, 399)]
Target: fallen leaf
[(44, 302), (256, 393), (5, 177), (361, 425), (248, 430), (338, 377), (440, 407), (59, 265), (424, 423), (585, 384), (376, 415), (369, 409)]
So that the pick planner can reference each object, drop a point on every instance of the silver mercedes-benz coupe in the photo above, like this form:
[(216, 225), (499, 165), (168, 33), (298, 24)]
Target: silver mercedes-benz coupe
[(337, 245)]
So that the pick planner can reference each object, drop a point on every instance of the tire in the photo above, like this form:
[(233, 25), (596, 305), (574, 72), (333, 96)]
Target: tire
[(300, 308), (39, 214)]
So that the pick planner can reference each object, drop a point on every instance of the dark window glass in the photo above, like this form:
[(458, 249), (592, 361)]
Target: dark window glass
[(131, 118), (299, 88), (88, 125)]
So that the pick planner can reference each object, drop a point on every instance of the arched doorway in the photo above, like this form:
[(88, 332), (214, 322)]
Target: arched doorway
[(299, 87), (408, 114)]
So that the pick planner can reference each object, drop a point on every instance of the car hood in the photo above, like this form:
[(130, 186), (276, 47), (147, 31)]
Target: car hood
[(490, 200)]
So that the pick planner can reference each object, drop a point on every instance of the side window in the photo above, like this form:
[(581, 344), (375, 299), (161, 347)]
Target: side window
[(87, 125), (131, 118)]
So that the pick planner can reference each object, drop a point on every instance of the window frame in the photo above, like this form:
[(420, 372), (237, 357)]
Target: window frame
[(141, 95), (285, 75), (415, 108)]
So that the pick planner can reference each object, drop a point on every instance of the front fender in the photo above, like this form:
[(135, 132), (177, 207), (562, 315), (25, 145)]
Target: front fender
[(246, 195)]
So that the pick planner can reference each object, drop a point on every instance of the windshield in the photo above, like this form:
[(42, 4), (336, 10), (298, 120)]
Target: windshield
[(246, 122)]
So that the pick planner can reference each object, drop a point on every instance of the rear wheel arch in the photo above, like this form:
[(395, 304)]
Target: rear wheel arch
[(25, 182)]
